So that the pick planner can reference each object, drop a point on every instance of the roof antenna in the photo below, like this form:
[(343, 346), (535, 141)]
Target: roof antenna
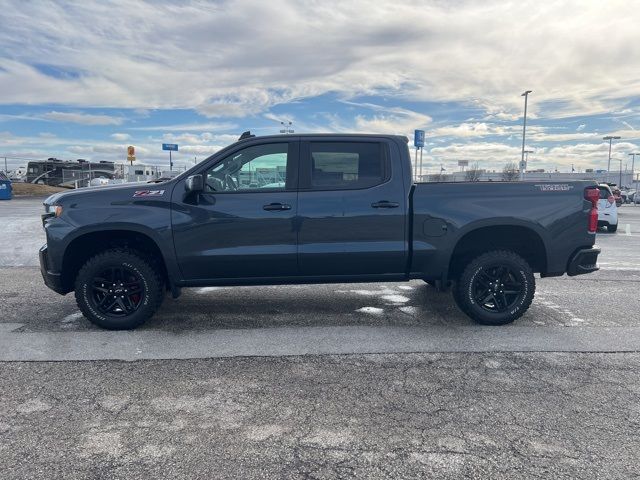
[(246, 135)]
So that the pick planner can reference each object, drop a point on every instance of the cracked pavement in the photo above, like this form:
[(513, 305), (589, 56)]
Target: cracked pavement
[(510, 416)]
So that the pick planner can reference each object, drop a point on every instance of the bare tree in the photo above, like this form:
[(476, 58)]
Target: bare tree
[(510, 172), (473, 174)]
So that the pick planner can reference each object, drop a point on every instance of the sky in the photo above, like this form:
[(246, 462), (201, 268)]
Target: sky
[(86, 79)]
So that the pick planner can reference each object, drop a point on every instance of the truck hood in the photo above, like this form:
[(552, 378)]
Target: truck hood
[(110, 192)]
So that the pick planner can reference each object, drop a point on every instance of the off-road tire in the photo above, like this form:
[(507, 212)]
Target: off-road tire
[(150, 281), (464, 291)]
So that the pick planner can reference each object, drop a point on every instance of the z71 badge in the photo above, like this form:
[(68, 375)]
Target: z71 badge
[(148, 193), (554, 187)]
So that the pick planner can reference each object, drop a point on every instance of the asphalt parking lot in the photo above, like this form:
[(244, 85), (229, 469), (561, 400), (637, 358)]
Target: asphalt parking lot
[(321, 381)]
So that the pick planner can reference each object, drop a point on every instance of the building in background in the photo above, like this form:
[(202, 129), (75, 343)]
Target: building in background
[(539, 176)]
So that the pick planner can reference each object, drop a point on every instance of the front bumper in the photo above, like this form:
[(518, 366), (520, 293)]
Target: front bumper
[(583, 261), (52, 280)]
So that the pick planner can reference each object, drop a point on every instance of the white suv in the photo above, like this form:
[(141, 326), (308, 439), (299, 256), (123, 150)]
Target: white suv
[(607, 209)]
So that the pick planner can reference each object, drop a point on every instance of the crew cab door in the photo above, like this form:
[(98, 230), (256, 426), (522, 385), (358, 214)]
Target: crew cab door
[(242, 224), (352, 208)]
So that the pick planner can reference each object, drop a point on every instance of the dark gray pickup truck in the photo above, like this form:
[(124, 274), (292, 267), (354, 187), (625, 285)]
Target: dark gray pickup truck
[(314, 209)]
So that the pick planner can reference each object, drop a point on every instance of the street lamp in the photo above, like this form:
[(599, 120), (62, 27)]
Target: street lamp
[(523, 164), (524, 130), (620, 182), (610, 138), (286, 127), (633, 162)]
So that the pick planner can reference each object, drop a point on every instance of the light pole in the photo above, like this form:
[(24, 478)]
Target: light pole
[(526, 161), (286, 127), (620, 182), (524, 131), (633, 163), (610, 138)]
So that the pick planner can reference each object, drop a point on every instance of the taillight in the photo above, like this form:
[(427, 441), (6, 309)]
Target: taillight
[(593, 195), (611, 199)]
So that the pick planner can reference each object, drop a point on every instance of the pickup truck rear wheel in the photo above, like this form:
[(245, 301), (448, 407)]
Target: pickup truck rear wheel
[(118, 289), (496, 288)]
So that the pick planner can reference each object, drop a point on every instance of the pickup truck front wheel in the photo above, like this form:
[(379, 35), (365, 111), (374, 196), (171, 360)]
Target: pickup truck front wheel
[(118, 289), (496, 288)]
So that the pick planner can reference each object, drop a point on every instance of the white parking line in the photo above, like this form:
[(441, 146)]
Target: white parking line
[(628, 229)]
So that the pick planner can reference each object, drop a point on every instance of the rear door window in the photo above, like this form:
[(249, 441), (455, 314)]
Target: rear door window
[(347, 165)]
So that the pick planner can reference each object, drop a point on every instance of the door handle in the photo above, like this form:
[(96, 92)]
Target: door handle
[(385, 204), (276, 206)]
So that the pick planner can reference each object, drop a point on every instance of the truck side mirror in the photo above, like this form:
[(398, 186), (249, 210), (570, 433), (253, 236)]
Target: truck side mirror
[(195, 183)]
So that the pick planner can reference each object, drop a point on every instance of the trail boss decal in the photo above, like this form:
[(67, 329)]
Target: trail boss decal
[(554, 187), (148, 193)]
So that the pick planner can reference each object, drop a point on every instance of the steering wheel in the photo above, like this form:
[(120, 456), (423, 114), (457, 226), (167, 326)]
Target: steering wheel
[(229, 183)]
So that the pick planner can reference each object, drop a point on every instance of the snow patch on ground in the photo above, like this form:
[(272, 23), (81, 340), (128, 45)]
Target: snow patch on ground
[(409, 310), (72, 318), (395, 298), (371, 310), (204, 290)]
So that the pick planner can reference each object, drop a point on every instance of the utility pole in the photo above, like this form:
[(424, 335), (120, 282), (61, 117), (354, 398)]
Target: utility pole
[(526, 162), (633, 164), (524, 131), (610, 138), (620, 182)]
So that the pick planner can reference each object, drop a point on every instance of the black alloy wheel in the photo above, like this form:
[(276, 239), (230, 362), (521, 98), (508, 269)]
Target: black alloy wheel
[(117, 291), (496, 288)]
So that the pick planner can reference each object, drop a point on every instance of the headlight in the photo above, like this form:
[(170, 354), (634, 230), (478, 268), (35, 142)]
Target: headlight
[(55, 209)]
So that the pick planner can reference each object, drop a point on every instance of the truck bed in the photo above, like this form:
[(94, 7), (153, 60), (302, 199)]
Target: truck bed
[(539, 214)]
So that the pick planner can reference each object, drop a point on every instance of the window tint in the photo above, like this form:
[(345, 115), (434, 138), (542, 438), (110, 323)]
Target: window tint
[(253, 168), (345, 165)]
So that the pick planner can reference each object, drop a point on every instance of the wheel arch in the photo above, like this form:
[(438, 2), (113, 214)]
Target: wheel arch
[(88, 243), (521, 239)]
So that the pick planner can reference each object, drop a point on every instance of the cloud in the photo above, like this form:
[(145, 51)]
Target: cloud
[(474, 129), (120, 137), (199, 55), (493, 155), (82, 118), (67, 117), (193, 127)]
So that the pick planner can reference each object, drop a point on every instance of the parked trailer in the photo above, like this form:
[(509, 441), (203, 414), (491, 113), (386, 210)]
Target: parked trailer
[(66, 173)]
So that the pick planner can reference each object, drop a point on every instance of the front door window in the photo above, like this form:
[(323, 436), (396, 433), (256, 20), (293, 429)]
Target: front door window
[(255, 168)]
